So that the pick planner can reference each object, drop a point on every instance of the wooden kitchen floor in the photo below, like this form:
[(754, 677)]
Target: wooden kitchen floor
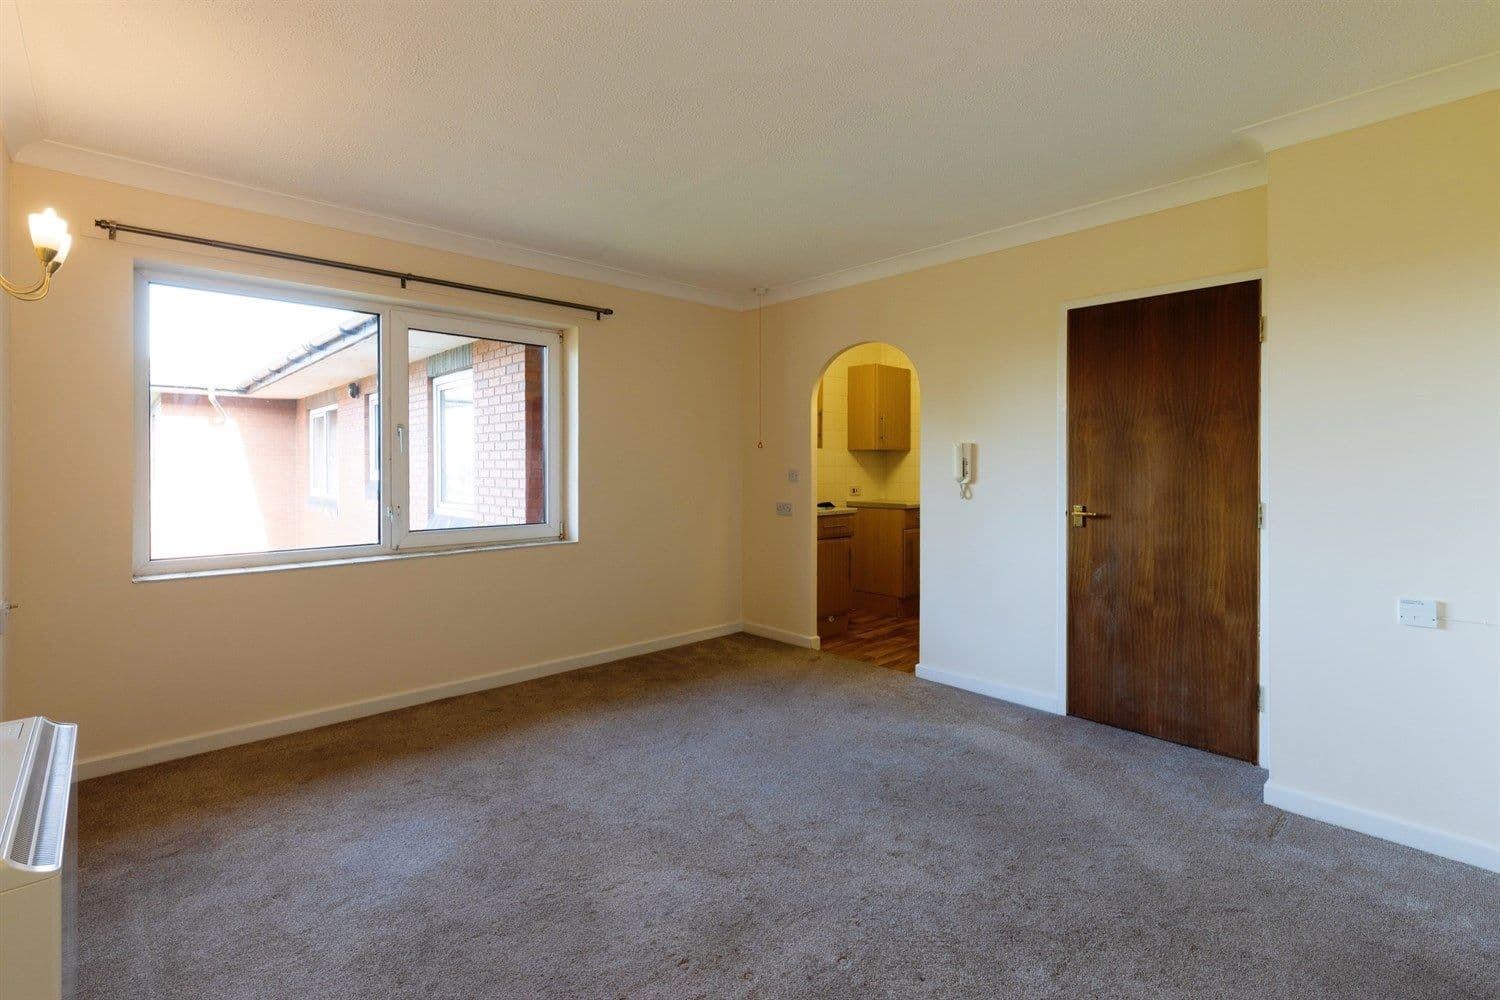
[(886, 642)]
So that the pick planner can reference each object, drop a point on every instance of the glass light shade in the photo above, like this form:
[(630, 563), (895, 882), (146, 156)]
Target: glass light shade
[(48, 231), (63, 248)]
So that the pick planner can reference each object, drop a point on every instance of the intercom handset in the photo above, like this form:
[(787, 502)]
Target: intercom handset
[(963, 467)]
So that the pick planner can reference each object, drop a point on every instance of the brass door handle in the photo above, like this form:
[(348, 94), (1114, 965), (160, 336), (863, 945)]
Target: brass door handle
[(1079, 512)]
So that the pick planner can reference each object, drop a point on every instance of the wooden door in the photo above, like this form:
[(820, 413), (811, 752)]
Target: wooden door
[(864, 408), (1163, 424), (879, 408), (878, 550), (911, 570), (835, 585)]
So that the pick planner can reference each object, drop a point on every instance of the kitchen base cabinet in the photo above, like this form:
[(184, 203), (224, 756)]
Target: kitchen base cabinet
[(835, 573), (887, 561)]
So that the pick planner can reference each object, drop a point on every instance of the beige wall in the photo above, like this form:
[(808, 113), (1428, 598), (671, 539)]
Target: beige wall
[(5, 307), (140, 663), (1382, 474), (983, 335), (879, 475)]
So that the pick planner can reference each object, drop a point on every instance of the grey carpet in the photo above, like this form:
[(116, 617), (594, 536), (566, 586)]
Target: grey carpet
[(740, 819)]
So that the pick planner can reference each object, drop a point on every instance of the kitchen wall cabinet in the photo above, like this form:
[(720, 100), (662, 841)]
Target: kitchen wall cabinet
[(835, 573), (879, 408), (887, 560)]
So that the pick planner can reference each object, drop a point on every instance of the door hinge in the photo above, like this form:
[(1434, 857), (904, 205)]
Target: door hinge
[(1260, 515), (1260, 699), (1262, 329)]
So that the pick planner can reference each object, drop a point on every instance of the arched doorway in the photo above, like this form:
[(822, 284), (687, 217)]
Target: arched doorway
[(866, 460)]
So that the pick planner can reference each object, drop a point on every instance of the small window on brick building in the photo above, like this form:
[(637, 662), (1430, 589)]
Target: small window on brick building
[(323, 453), (372, 437), (453, 444)]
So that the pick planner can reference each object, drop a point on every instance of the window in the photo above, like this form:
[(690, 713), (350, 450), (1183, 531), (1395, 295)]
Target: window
[(453, 444), (484, 458), (450, 427), (323, 454), (372, 437)]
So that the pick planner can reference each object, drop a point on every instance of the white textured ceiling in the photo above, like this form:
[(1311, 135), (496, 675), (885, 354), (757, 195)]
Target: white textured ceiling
[(724, 145)]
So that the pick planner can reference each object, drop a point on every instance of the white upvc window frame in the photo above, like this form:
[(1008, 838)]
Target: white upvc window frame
[(403, 321), (329, 416), (397, 318)]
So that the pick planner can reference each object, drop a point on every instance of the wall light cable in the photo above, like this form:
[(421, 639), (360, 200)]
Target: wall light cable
[(760, 368)]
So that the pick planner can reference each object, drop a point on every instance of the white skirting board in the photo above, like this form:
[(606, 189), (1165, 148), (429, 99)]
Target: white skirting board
[(994, 689), (157, 753), (1399, 831), (782, 635)]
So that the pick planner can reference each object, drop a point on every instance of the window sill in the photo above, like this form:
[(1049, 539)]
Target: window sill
[(455, 550)]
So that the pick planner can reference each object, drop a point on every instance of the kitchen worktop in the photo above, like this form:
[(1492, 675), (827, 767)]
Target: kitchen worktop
[(886, 504), (826, 511)]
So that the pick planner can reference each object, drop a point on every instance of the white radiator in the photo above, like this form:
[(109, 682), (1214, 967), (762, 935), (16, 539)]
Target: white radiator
[(36, 859)]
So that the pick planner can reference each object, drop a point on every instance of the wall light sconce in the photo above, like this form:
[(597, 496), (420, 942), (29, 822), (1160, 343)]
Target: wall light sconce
[(52, 241)]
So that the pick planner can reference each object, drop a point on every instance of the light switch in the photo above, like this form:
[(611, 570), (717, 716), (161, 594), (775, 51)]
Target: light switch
[(793, 476), (1418, 612)]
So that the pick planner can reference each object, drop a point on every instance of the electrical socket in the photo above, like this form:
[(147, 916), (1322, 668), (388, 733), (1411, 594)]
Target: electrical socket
[(855, 491), (783, 510)]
